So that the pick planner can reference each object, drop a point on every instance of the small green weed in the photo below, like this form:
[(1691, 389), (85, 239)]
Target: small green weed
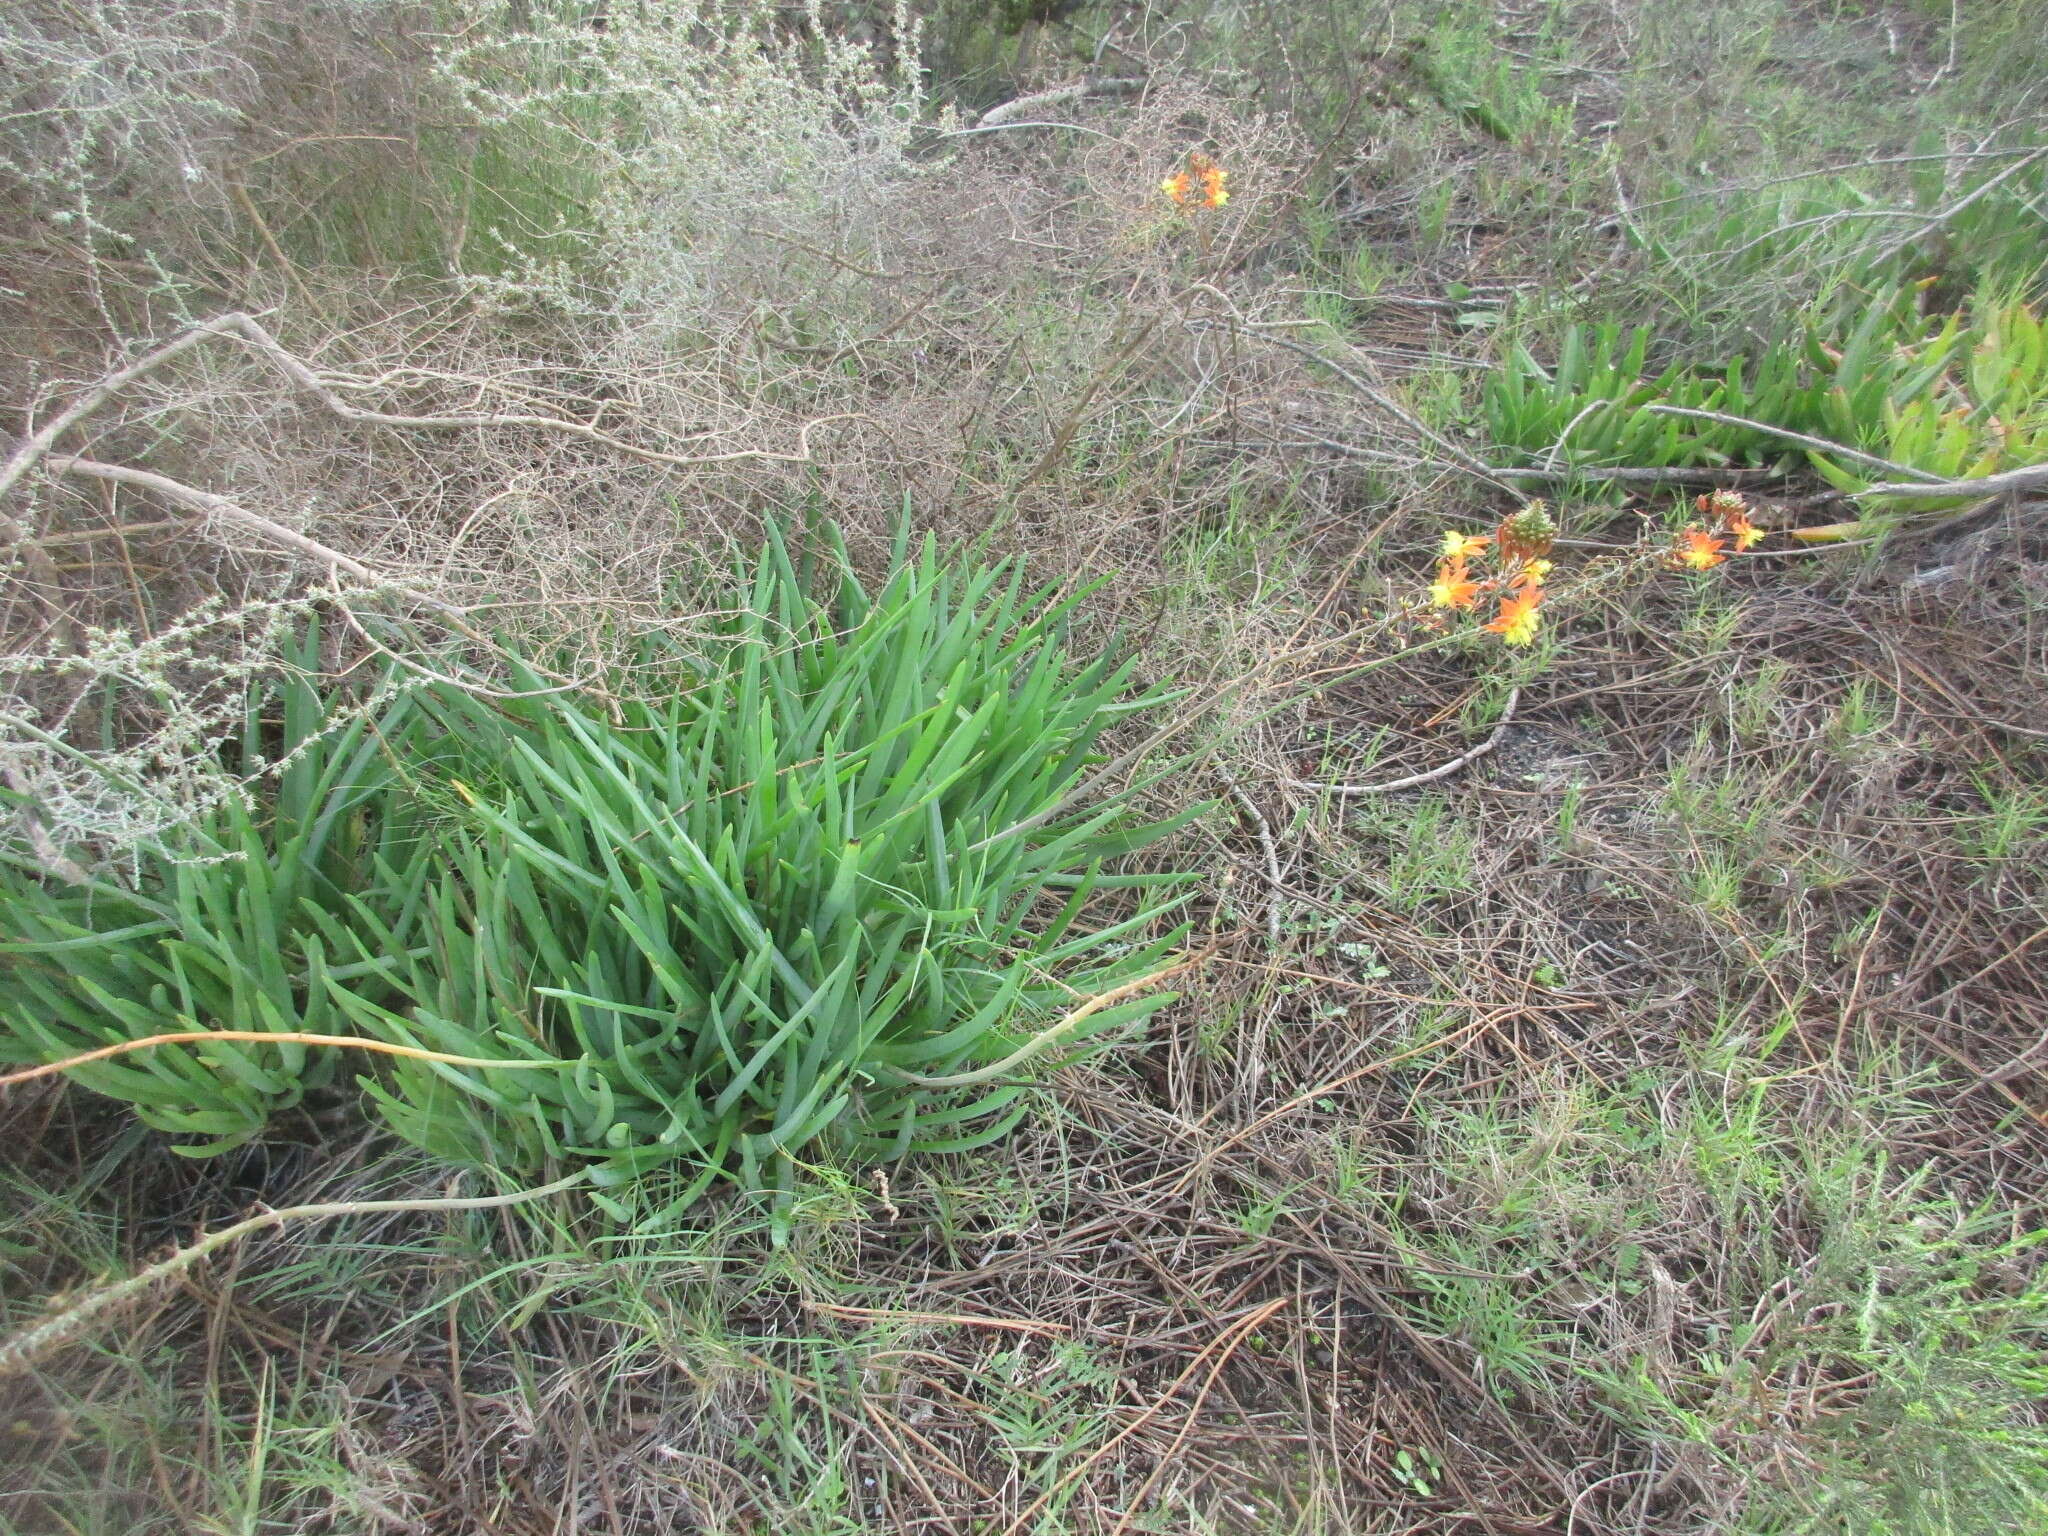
[(1430, 851)]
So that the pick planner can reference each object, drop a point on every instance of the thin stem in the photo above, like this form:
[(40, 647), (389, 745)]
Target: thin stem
[(267, 1037), (21, 1351), (1046, 1037)]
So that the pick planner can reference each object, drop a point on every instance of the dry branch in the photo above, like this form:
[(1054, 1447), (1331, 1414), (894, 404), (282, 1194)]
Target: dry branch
[(1918, 482), (1818, 444), (233, 512), (2027, 478), (1428, 776), (1008, 112), (246, 328), (301, 374), (38, 443)]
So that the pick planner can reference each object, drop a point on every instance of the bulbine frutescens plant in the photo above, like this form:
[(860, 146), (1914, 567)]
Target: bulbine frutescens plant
[(834, 873), (830, 879), (230, 923)]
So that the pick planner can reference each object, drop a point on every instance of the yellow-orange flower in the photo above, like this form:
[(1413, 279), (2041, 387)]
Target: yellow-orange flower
[(1530, 575), (1201, 185), (1732, 512), (1453, 587), (1463, 546), (1698, 550), (1518, 617)]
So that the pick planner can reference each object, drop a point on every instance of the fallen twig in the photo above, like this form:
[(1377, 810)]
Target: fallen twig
[(1266, 843), (934, 1319), (1696, 475), (1223, 1346), (1226, 1345), (1429, 776)]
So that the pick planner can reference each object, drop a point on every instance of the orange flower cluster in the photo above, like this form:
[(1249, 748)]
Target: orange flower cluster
[(1200, 185), (1700, 544), (1520, 547)]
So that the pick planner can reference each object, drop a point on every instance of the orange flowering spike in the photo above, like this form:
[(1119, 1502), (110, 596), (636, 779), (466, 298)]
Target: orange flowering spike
[(1731, 511), (1211, 176), (1527, 534), (1698, 549), (1518, 618), (1722, 504)]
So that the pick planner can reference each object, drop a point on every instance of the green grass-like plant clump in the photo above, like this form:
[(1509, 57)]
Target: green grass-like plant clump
[(834, 874), (806, 885), (1594, 406), (229, 924)]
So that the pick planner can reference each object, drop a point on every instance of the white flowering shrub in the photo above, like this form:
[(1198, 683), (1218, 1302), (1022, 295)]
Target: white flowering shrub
[(135, 750), (103, 94), (731, 145)]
